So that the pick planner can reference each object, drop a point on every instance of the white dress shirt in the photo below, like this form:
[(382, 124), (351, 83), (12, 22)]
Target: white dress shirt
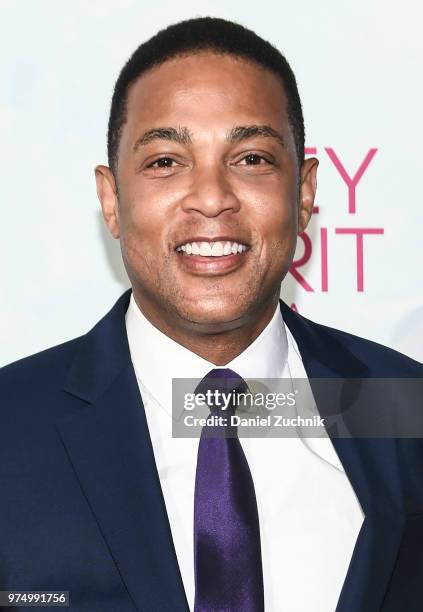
[(308, 512)]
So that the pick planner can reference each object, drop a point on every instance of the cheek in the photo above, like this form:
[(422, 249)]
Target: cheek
[(147, 209), (135, 253), (277, 220), (137, 236), (278, 227), (142, 223)]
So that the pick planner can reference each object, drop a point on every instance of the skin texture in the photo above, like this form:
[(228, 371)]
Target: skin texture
[(212, 187)]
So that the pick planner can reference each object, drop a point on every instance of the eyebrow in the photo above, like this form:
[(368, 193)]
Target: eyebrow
[(182, 135), (243, 132)]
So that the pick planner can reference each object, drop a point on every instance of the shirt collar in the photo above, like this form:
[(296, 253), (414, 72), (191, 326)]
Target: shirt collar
[(157, 358)]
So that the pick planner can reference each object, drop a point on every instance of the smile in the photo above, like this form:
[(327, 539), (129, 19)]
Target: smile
[(211, 260), (212, 249)]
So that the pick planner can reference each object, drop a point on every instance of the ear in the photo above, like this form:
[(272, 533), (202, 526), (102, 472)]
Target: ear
[(307, 191), (107, 194)]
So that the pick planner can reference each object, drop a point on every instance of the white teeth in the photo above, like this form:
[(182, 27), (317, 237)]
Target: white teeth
[(217, 249), (212, 249), (227, 248), (205, 249)]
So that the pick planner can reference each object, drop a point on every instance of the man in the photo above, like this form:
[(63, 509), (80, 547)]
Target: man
[(207, 188)]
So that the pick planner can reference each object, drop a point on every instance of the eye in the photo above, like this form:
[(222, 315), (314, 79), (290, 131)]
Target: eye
[(254, 159), (161, 162)]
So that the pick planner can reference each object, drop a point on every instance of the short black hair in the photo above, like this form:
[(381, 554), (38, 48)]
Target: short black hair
[(192, 36)]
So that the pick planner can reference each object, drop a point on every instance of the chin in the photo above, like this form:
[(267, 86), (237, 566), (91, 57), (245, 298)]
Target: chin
[(213, 311)]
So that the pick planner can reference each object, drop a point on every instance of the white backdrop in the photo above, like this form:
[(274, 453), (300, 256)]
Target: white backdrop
[(359, 67)]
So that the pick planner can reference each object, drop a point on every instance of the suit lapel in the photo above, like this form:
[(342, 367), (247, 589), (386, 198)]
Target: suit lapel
[(371, 466), (109, 446)]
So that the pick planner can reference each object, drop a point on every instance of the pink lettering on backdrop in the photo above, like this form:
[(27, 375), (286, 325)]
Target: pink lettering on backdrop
[(303, 260), (324, 256), (359, 232), (351, 182)]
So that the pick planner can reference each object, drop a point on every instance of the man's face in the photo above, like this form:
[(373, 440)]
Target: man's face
[(206, 178)]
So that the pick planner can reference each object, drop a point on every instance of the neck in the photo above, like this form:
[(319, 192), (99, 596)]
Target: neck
[(218, 346)]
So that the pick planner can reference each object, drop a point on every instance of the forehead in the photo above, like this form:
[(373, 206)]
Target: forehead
[(206, 88)]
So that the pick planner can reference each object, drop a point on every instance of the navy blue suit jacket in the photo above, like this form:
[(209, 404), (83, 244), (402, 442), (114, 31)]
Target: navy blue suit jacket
[(81, 505)]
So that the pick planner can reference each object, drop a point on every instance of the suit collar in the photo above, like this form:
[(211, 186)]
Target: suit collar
[(102, 354), (323, 355)]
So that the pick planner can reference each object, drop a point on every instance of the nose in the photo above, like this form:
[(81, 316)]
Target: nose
[(210, 192)]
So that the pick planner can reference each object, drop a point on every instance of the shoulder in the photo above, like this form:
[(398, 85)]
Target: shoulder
[(379, 356), (381, 360), (32, 400), (34, 383)]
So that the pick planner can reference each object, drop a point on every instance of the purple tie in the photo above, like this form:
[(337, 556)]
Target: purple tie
[(227, 553)]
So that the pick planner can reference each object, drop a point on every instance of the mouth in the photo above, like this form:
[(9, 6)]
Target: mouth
[(212, 258)]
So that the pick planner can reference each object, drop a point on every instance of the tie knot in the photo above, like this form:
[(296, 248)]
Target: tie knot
[(221, 388)]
